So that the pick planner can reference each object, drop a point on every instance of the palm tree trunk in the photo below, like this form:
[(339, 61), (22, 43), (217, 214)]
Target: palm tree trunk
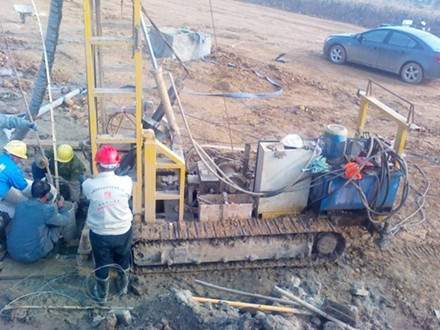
[(40, 86)]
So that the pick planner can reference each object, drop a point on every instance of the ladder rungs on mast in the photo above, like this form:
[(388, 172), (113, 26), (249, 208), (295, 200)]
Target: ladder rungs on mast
[(167, 196), (115, 139), (119, 68), (111, 41), (114, 91)]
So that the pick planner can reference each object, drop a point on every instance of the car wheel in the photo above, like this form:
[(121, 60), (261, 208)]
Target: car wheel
[(337, 54), (411, 73)]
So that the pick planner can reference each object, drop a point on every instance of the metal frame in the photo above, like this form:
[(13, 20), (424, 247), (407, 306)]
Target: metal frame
[(147, 147), (404, 125), (97, 92), (152, 148)]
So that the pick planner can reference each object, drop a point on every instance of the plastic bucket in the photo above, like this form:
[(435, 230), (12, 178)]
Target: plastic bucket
[(69, 231)]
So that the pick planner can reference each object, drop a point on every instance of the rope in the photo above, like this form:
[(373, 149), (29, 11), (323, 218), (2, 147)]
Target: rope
[(26, 105), (420, 201), (224, 98), (188, 73), (202, 153), (49, 90), (245, 95), (213, 25)]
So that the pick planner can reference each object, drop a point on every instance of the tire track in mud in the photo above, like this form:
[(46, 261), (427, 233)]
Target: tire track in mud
[(422, 252)]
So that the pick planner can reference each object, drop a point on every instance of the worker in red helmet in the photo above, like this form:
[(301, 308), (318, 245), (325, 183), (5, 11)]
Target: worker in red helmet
[(109, 218)]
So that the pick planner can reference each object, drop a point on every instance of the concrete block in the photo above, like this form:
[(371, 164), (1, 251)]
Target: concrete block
[(187, 44)]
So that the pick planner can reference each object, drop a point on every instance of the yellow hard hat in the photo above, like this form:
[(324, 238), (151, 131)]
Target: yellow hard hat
[(64, 153), (16, 148)]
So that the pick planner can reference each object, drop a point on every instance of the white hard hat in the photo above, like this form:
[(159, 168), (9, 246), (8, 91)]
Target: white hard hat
[(292, 141)]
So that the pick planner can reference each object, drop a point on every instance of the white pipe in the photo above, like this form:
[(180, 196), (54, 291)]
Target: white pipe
[(147, 39), (58, 102)]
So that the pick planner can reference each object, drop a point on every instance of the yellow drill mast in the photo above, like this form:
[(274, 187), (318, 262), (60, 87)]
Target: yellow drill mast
[(102, 46)]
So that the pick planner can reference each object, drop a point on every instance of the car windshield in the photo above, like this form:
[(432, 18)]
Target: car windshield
[(431, 40)]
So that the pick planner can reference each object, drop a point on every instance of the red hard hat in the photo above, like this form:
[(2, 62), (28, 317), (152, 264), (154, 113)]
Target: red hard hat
[(107, 155)]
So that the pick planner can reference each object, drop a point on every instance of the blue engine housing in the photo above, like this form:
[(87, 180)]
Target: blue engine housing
[(328, 192)]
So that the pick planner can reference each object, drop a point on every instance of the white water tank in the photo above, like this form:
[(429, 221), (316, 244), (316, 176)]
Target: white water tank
[(273, 173)]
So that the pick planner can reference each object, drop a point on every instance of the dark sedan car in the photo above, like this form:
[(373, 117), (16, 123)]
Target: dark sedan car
[(409, 52)]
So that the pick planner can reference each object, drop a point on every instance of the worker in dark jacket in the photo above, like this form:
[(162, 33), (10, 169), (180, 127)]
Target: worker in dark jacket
[(70, 170), (36, 226), (13, 122)]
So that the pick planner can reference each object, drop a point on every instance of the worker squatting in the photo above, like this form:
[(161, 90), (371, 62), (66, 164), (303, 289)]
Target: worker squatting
[(33, 218)]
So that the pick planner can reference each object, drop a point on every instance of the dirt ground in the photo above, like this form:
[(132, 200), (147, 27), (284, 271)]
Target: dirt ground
[(401, 280)]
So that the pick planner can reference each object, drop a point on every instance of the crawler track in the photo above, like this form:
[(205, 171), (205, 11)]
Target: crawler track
[(310, 261), (197, 246)]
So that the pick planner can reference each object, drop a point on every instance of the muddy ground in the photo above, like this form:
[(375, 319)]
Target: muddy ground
[(401, 280)]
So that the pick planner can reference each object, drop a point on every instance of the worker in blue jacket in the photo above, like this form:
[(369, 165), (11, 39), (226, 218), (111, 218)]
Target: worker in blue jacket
[(12, 183), (36, 226), (11, 174)]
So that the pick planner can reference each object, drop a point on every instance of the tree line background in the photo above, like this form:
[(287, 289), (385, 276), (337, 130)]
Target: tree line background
[(370, 14)]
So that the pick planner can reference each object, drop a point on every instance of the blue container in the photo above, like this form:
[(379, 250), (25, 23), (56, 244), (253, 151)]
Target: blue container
[(327, 194), (334, 143)]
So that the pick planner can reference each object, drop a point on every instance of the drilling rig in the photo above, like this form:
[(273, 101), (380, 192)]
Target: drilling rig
[(291, 204)]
